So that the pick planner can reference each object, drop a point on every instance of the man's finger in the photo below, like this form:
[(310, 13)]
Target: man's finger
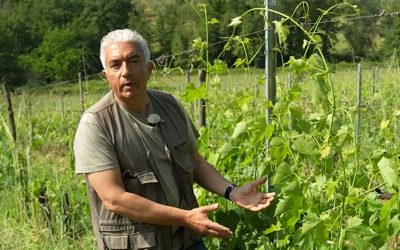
[(268, 195), (219, 230), (209, 208), (260, 181), (218, 233)]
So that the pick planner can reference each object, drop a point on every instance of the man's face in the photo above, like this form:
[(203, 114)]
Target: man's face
[(127, 71)]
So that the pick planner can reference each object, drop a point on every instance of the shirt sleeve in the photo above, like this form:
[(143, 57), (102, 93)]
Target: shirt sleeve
[(92, 150)]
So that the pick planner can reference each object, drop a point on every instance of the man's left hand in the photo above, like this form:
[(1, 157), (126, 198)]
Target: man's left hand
[(248, 196)]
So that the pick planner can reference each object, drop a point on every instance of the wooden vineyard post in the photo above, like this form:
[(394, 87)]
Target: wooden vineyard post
[(62, 105), (81, 93), (358, 121), (187, 76), (11, 118), (375, 80), (202, 102), (43, 200), (270, 67), (270, 58), (67, 213)]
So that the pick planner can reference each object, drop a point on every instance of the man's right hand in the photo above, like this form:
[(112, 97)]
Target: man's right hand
[(198, 220)]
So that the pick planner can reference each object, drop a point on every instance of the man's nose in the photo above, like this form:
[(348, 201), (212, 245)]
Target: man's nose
[(125, 69)]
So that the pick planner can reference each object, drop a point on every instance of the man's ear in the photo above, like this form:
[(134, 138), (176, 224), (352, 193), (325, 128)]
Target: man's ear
[(150, 67), (104, 73)]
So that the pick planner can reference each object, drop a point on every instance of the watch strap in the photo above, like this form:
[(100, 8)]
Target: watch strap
[(228, 191)]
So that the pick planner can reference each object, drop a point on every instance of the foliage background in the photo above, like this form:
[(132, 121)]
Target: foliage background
[(52, 40), (336, 189)]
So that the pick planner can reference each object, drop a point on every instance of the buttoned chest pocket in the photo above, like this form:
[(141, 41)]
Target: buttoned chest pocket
[(184, 157)]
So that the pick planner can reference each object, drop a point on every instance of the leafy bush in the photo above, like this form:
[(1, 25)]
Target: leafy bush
[(57, 57)]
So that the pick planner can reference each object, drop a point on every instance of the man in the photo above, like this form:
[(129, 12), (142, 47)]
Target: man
[(138, 151)]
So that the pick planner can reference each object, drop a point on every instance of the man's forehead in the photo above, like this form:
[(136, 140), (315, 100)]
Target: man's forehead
[(124, 48)]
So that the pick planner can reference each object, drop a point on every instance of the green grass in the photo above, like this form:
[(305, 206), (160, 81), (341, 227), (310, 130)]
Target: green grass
[(43, 157)]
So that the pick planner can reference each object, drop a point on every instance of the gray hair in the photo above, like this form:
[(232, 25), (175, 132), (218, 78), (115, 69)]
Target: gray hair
[(123, 35)]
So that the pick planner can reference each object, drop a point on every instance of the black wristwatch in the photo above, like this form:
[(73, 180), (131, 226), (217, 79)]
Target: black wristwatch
[(228, 191)]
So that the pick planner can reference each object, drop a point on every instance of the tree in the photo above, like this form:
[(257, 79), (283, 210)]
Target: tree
[(96, 19), (15, 39), (362, 33), (248, 35), (23, 26), (390, 29), (57, 57), (306, 13), (171, 26), (30, 30)]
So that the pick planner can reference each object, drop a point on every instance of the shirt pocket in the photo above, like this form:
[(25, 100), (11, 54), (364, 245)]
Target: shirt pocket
[(184, 156), (145, 184), (117, 236)]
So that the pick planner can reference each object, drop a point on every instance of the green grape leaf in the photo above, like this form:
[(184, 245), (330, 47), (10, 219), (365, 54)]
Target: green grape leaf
[(282, 30), (313, 231), (219, 67), (193, 93), (305, 145), (240, 128), (394, 225), (278, 149), (213, 21), (358, 234), (388, 174), (283, 175)]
